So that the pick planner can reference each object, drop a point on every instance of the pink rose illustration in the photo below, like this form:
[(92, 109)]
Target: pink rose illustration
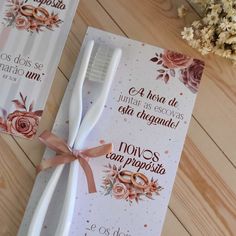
[(153, 186), (173, 60), (22, 22), (132, 195), (23, 123), (119, 191), (33, 25), (191, 76), (25, 16), (124, 185)]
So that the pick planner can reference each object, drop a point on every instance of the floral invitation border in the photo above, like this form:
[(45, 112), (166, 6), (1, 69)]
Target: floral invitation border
[(23, 121), (190, 69), (24, 16)]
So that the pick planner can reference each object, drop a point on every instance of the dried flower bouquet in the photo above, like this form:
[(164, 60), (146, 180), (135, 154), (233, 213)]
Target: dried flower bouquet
[(216, 31)]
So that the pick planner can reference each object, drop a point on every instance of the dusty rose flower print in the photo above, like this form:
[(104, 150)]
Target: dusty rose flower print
[(132, 194), (153, 186), (124, 186), (174, 65), (120, 191), (24, 16), (175, 60), (191, 76), (33, 25), (23, 123), (22, 22)]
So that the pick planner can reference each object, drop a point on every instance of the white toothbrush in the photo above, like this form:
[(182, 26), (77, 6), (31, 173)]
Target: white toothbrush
[(103, 70), (74, 122)]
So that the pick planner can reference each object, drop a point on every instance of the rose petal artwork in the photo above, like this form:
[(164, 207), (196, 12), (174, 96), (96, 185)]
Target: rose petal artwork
[(124, 189), (190, 69), (24, 16), (23, 121)]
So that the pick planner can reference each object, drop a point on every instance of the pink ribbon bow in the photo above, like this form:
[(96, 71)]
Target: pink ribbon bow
[(64, 154)]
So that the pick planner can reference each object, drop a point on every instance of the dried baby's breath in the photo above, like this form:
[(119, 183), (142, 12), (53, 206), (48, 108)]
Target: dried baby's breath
[(182, 11), (195, 43), (196, 24), (225, 24), (212, 18), (216, 31), (216, 8), (187, 33), (231, 40)]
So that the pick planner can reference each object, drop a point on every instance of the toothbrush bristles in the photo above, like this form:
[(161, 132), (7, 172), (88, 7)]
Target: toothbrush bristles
[(99, 63)]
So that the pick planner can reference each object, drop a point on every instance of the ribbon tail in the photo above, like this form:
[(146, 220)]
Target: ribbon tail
[(53, 142), (98, 151), (89, 175)]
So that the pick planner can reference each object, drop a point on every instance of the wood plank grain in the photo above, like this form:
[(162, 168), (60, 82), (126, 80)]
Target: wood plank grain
[(216, 103), (16, 181), (19, 153), (204, 195), (172, 226)]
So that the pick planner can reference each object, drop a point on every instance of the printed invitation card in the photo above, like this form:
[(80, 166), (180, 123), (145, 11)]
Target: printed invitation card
[(146, 117), (32, 37)]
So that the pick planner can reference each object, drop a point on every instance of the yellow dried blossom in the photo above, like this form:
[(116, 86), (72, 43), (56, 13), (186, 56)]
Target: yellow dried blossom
[(196, 24), (231, 39), (225, 25), (218, 51), (223, 53), (234, 47), (182, 11), (216, 31), (212, 18), (195, 43), (226, 53), (204, 50), (205, 30), (223, 36), (187, 33), (215, 8), (231, 12), (227, 5)]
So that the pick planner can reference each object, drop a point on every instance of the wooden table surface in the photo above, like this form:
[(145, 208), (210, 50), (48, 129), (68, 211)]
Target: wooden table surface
[(203, 200)]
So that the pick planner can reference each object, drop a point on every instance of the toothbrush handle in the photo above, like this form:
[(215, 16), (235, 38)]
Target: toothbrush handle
[(42, 207), (75, 109), (66, 216), (75, 113), (87, 125)]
